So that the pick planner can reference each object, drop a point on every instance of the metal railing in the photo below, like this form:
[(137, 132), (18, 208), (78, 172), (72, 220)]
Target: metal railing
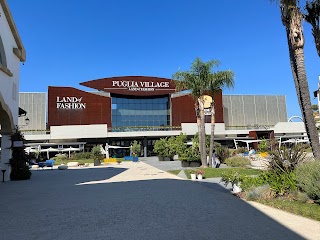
[(249, 127), (35, 132), (143, 128)]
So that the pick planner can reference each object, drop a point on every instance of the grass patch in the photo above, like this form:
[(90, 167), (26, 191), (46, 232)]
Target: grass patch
[(303, 209), (218, 172)]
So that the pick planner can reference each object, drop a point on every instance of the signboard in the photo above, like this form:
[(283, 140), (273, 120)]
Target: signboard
[(70, 103), (207, 105), (138, 86), (134, 85)]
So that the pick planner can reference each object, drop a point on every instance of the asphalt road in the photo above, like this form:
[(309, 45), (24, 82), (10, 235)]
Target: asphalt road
[(52, 206)]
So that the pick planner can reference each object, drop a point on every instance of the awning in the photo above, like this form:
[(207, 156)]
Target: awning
[(246, 141)]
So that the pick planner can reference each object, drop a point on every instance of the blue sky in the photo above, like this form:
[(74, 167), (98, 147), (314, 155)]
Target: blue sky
[(69, 42)]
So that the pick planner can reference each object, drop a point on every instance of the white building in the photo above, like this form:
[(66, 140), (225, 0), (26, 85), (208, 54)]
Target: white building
[(12, 53)]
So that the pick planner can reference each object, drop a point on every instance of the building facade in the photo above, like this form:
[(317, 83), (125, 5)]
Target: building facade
[(122, 109), (12, 53)]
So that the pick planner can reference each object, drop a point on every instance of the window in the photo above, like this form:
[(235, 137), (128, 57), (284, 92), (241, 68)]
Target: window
[(138, 112), (3, 60)]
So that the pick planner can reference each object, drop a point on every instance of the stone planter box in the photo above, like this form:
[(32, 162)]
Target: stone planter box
[(185, 163), (195, 164), (161, 158), (73, 164)]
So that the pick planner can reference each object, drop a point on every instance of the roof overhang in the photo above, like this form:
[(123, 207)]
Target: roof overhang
[(20, 51)]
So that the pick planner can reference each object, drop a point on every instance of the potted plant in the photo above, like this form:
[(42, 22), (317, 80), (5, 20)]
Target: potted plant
[(97, 155), (161, 148), (193, 175), (234, 178), (190, 157), (135, 150), (200, 174)]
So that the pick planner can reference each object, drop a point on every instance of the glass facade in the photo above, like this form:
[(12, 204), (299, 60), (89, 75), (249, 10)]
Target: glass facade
[(132, 112)]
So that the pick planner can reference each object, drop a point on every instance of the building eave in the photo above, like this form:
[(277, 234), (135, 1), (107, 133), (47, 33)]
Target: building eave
[(20, 51)]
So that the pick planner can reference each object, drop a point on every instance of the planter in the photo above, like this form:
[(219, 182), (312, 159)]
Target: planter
[(195, 164), (199, 176), (193, 176), (167, 159), (185, 163), (161, 158), (96, 162), (236, 188)]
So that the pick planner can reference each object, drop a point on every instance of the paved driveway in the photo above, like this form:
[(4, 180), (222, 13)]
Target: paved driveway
[(58, 204)]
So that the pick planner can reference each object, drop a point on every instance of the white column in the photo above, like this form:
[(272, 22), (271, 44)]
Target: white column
[(6, 154), (145, 145)]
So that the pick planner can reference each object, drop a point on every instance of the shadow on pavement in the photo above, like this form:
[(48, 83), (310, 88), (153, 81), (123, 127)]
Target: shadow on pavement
[(51, 206)]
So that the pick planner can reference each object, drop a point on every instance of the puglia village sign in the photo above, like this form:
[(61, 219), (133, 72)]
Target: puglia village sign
[(140, 86), (70, 103)]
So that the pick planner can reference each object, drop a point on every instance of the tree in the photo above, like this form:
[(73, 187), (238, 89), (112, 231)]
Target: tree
[(19, 168), (313, 17), (135, 148), (197, 81), (292, 20), (218, 81)]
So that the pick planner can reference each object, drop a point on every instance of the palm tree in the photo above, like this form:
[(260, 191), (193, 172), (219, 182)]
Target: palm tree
[(218, 81), (199, 80), (292, 20), (196, 80), (313, 17)]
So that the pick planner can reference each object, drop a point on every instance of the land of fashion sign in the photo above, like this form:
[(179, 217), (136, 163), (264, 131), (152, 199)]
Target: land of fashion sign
[(70, 103), (140, 86)]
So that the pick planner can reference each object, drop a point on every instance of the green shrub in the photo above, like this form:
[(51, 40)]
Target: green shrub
[(135, 148), (250, 182), (222, 153), (299, 196), (264, 145), (19, 168), (259, 193), (280, 182), (237, 161), (191, 154), (96, 153), (241, 150), (308, 178), (177, 145), (81, 155), (232, 177), (161, 147), (287, 159)]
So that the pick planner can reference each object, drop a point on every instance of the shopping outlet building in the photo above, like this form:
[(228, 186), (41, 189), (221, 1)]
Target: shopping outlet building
[(119, 110)]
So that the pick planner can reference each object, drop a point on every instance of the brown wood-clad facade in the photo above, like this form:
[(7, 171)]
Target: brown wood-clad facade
[(91, 109), (71, 106), (183, 110)]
